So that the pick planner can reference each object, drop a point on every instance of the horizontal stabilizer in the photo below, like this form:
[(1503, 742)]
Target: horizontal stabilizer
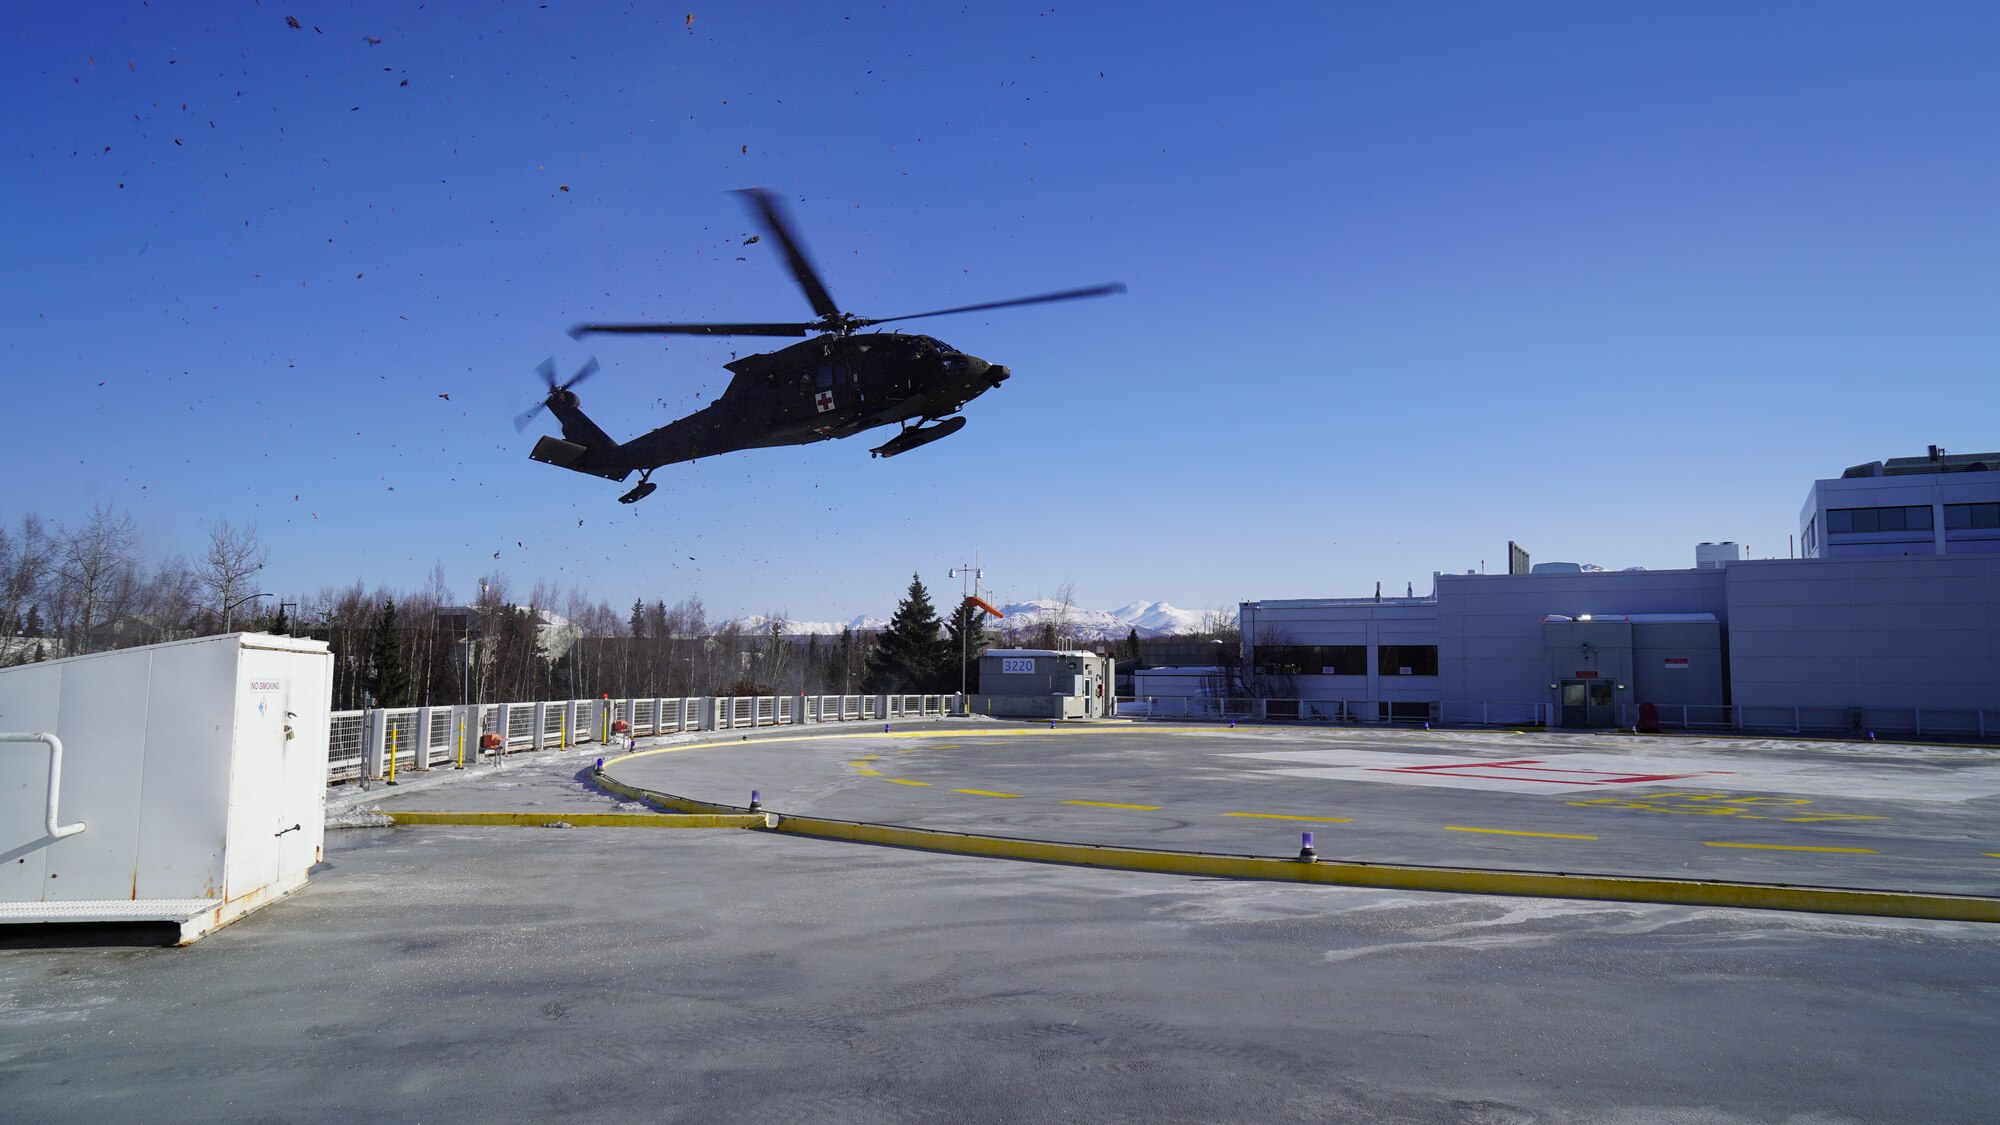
[(556, 451)]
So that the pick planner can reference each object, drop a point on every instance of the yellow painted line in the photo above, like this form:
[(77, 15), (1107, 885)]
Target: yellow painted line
[(726, 736), (869, 772), (1452, 880), (1512, 832), (1790, 848), (1112, 805), (1995, 855), (904, 781), (1285, 816), (579, 820), (985, 793)]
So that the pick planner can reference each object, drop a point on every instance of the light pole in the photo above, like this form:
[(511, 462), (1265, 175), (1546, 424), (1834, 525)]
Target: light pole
[(968, 577), (228, 611)]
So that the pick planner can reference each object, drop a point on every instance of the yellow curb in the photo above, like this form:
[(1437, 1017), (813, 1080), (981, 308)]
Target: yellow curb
[(581, 820), (1450, 880)]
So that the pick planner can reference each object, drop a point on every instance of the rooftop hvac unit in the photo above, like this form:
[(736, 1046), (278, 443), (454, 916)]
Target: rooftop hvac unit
[(180, 783)]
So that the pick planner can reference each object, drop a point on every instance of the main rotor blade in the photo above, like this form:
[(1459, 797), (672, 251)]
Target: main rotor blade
[(767, 208), (579, 331), (1065, 295)]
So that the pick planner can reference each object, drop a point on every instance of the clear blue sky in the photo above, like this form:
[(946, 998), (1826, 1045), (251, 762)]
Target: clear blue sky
[(1407, 281)]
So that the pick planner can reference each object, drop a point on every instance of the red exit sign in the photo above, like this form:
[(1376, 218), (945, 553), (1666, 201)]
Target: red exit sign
[(1586, 675)]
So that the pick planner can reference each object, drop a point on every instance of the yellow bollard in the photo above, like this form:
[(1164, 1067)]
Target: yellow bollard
[(461, 742), (392, 755)]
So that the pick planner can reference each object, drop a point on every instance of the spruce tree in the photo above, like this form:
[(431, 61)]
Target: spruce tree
[(388, 679), (909, 655), (1131, 645)]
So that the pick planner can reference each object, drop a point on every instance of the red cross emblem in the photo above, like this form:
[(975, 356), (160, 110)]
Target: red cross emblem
[(824, 401)]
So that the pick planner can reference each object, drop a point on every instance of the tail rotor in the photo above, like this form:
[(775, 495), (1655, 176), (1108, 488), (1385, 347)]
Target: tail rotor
[(547, 370)]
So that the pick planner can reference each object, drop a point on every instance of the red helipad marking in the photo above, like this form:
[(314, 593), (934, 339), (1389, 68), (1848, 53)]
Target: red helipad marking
[(1534, 765)]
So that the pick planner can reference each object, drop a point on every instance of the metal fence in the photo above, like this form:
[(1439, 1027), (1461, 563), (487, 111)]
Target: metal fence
[(1377, 712), (1939, 723), (371, 743)]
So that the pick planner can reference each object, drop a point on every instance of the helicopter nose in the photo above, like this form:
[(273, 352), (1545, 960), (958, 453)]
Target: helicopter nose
[(998, 373)]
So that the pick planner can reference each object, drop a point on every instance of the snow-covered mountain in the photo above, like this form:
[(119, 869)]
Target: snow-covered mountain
[(1151, 619), (758, 623)]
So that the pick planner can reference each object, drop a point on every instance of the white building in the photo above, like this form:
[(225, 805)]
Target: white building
[(1939, 504), (1899, 630)]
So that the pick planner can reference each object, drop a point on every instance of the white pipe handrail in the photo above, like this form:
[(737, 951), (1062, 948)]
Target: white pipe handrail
[(56, 831)]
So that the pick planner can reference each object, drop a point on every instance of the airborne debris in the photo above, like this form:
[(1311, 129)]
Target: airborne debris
[(291, 21), (753, 238)]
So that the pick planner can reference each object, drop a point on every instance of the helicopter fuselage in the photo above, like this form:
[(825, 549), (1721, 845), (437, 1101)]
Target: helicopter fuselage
[(830, 386)]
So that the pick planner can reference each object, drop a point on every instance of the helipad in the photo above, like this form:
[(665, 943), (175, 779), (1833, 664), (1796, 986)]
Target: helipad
[(1879, 817)]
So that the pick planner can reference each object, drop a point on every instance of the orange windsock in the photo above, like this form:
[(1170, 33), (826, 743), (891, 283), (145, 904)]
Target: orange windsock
[(982, 603)]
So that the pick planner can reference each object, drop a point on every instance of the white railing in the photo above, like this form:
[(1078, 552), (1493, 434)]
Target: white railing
[(423, 738), (1933, 723), (1400, 712)]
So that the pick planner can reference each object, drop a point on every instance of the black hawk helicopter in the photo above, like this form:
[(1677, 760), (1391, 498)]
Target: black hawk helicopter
[(832, 386)]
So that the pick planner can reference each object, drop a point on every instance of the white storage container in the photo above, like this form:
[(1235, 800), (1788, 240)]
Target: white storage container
[(198, 769)]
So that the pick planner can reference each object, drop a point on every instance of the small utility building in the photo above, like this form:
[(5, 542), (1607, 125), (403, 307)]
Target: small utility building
[(1043, 683)]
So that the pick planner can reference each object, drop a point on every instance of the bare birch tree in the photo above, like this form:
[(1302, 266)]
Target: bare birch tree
[(93, 559), (232, 559), (25, 561)]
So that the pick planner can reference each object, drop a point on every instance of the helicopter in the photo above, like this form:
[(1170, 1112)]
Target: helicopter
[(834, 385)]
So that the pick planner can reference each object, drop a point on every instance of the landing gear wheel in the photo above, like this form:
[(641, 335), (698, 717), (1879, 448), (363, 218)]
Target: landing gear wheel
[(639, 492)]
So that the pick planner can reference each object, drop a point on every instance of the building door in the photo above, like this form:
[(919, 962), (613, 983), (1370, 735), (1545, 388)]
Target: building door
[(1587, 703)]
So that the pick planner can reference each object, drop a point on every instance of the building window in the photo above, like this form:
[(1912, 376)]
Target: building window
[(1916, 517), (1311, 660), (1407, 660), (1958, 517)]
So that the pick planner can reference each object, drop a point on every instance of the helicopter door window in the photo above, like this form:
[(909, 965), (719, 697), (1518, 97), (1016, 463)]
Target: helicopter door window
[(825, 376)]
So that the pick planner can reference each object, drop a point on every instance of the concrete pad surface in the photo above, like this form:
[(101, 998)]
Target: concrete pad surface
[(486, 974), (1881, 816)]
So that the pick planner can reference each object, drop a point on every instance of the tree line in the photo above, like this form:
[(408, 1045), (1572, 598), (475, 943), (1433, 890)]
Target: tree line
[(68, 590)]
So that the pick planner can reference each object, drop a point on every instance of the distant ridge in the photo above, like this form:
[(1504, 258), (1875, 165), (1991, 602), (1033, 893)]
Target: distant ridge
[(1151, 619)]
